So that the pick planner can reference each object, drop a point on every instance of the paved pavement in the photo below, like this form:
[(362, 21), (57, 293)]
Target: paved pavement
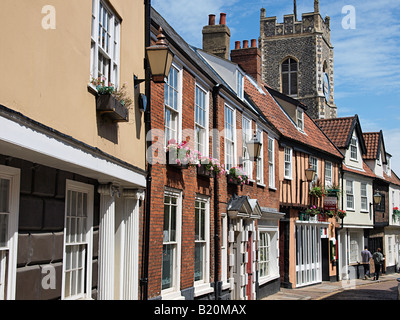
[(327, 290)]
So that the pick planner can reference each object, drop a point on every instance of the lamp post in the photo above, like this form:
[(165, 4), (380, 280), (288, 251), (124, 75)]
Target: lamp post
[(159, 61)]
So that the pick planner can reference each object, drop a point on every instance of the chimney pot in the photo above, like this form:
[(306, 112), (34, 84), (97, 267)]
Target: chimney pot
[(254, 43), (237, 45), (222, 19), (245, 44), (211, 19)]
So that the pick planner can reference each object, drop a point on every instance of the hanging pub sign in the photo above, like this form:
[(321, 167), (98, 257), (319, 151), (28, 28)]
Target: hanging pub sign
[(330, 203)]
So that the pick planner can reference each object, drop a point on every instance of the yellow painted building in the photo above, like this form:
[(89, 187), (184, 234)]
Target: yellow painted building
[(71, 176)]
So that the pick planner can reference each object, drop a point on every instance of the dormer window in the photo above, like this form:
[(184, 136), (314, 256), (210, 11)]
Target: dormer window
[(300, 119), (353, 149), (239, 85)]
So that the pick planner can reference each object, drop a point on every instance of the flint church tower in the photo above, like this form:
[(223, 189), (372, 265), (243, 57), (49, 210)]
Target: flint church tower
[(297, 59)]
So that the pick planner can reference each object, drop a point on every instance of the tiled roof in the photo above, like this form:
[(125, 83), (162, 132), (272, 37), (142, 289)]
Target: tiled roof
[(337, 129), (372, 144), (312, 136), (365, 172), (394, 179)]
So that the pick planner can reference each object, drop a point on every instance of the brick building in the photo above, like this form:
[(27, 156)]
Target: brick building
[(71, 178), (297, 59), (205, 225)]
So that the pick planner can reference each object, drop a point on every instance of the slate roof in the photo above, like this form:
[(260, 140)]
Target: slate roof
[(312, 137)]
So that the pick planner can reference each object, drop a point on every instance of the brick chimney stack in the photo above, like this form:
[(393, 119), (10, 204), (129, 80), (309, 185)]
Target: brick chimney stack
[(216, 38), (248, 58)]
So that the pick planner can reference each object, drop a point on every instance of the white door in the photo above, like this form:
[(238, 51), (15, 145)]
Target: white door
[(237, 293), (308, 254)]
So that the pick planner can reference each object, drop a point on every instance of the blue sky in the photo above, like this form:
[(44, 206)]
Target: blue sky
[(366, 59)]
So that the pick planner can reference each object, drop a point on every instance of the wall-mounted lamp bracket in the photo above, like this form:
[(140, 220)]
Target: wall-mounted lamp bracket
[(137, 81)]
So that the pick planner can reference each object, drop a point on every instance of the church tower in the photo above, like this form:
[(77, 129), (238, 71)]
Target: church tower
[(297, 59)]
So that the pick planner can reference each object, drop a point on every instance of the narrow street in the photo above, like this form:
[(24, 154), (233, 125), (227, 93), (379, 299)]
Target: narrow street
[(386, 290), (356, 289)]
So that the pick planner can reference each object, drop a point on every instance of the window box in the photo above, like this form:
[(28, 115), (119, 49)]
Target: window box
[(175, 162), (332, 192), (303, 216), (110, 107), (203, 172), (232, 179)]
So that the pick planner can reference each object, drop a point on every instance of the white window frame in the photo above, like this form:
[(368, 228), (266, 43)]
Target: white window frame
[(300, 119), (364, 196), (247, 136), (8, 261), (239, 84), (260, 159), (201, 109), (328, 177), (264, 250), (173, 292), (353, 149), (230, 137), (97, 51), (204, 283), (173, 105), (350, 194), (355, 246), (288, 163), (224, 248), (314, 166), (86, 284), (271, 162)]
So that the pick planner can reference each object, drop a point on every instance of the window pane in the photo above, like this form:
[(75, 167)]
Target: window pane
[(198, 261), (4, 195), (166, 224), (285, 83), (3, 230), (197, 224), (293, 83), (167, 267)]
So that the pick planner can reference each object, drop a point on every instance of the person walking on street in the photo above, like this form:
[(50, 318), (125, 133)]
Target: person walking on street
[(378, 260), (365, 257)]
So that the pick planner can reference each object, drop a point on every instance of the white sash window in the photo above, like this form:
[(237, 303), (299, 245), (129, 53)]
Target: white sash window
[(9, 207)]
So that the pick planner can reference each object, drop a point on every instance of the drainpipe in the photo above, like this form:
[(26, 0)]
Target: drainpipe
[(146, 234), (341, 225), (215, 141)]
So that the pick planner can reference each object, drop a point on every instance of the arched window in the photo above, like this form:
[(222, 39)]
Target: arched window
[(289, 76)]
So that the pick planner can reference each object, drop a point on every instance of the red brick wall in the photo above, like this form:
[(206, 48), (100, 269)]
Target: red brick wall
[(191, 184)]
